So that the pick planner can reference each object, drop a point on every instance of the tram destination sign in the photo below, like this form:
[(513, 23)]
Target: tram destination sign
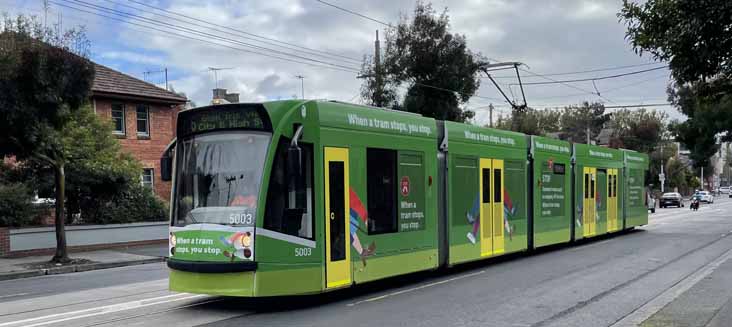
[(212, 119)]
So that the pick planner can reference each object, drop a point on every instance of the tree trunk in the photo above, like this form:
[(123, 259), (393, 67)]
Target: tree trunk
[(61, 255)]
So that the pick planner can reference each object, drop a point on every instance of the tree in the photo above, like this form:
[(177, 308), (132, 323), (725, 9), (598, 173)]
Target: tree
[(640, 130), (44, 79), (439, 71), (531, 121), (695, 38), (576, 121)]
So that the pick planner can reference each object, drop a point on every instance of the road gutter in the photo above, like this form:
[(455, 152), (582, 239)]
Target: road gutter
[(76, 268)]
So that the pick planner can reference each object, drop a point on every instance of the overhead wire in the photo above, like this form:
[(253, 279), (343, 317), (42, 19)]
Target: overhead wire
[(596, 78), (200, 33), (565, 84), (240, 31), (169, 33), (590, 70), (354, 13)]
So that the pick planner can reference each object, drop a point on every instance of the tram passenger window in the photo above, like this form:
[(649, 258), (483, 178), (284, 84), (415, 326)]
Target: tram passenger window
[(381, 170), (587, 186), (497, 190), (290, 211), (486, 185)]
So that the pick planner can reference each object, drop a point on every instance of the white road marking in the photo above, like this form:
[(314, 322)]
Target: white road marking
[(416, 288), (12, 295), (644, 312), (73, 315)]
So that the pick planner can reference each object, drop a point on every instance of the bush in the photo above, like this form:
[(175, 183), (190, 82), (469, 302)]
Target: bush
[(136, 204), (16, 208)]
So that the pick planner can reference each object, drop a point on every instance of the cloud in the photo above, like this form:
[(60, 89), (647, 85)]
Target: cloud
[(548, 36)]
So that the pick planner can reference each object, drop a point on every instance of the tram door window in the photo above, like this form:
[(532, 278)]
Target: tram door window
[(336, 218), (289, 207), (381, 171)]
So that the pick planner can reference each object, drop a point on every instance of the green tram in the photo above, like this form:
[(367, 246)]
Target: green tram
[(302, 197)]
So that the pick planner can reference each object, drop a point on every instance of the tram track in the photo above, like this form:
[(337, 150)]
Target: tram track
[(603, 294)]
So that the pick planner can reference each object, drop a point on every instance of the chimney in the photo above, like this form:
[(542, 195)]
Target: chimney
[(232, 97), (219, 94)]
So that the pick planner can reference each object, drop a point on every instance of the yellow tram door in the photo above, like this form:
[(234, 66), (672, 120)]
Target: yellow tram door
[(491, 207), (612, 200), (337, 226), (588, 203), (486, 209), (498, 213)]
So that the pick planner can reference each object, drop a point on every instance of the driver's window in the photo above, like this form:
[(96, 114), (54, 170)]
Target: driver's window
[(289, 209)]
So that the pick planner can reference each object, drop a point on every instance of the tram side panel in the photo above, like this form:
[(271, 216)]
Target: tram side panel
[(552, 190), (392, 193), (487, 190), (636, 211), (598, 183)]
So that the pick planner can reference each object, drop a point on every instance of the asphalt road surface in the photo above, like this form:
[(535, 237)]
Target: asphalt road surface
[(617, 281)]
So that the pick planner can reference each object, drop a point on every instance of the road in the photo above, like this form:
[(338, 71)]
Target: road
[(616, 281)]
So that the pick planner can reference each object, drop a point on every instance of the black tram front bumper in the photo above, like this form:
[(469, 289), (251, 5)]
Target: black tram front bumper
[(208, 267)]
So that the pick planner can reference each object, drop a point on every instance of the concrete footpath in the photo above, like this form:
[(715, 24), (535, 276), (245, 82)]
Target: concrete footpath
[(708, 303), (13, 268)]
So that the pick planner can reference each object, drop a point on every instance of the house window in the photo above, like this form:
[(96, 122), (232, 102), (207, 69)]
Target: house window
[(118, 118), (147, 178), (143, 120)]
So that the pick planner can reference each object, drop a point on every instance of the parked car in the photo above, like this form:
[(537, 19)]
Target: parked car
[(724, 190), (704, 196), (671, 199)]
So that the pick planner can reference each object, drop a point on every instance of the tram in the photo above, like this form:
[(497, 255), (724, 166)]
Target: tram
[(302, 197)]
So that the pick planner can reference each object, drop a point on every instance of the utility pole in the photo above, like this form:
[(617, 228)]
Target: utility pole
[(702, 178), (662, 178), (377, 71), (302, 85), (490, 115), (588, 135)]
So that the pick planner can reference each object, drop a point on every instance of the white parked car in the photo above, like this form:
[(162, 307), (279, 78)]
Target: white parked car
[(704, 196), (724, 190)]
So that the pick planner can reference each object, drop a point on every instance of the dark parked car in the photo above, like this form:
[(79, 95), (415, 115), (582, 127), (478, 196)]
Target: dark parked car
[(672, 199)]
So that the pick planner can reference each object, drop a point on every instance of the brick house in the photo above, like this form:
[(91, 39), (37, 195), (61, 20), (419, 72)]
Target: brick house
[(143, 117)]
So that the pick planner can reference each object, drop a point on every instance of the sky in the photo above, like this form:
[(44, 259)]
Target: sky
[(549, 37)]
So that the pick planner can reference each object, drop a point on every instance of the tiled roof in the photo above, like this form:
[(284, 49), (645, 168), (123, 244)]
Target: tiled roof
[(110, 81)]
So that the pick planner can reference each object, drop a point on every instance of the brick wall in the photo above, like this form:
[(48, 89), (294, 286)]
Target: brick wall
[(4, 241), (147, 149)]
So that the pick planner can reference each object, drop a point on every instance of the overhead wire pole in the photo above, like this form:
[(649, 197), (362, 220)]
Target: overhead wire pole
[(302, 85)]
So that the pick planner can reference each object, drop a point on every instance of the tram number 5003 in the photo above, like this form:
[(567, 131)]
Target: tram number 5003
[(240, 219), (303, 252)]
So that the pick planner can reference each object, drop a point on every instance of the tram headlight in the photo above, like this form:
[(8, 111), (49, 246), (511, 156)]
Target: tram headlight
[(246, 240), (172, 240)]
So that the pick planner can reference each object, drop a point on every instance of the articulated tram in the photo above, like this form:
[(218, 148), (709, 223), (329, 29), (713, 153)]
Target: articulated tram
[(302, 197)]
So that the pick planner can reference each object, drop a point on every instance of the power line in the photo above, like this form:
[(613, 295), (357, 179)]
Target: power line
[(607, 91), (236, 30), (169, 33), (196, 32), (590, 70), (453, 91), (565, 84), (597, 78), (352, 13)]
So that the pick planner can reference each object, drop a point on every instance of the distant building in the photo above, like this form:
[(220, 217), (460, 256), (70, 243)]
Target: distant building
[(220, 96), (143, 117)]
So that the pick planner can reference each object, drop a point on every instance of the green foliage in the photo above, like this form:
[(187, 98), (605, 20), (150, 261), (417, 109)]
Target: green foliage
[(16, 208), (696, 39), (531, 121), (640, 130), (439, 71), (694, 36), (576, 120), (44, 78), (135, 204)]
